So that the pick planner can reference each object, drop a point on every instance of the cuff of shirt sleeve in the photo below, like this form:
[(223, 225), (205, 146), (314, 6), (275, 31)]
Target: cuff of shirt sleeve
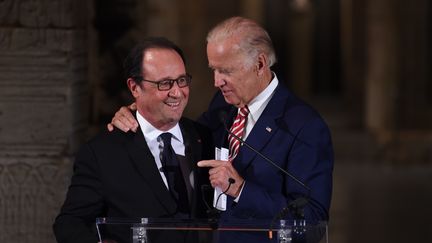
[(241, 189)]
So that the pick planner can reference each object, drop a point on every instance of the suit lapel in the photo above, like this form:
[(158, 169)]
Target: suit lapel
[(191, 141), (193, 149), (262, 132), (146, 165), (232, 113)]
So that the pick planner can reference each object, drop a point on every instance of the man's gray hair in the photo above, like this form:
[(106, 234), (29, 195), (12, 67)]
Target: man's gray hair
[(252, 38)]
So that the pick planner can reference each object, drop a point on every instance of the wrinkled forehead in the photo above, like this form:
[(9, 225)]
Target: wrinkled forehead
[(225, 57)]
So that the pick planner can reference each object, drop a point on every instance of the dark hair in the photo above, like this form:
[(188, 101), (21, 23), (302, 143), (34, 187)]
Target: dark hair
[(133, 62)]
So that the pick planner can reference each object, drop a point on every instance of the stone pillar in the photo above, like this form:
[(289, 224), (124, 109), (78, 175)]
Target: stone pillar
[(300, 31), (353, 53), (43, 100), (382, 65), (414, 99), (398, 109)]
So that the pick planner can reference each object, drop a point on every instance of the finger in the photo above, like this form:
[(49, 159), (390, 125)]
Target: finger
[(124, 120), (217, 181), (204, 163), (133, 106), (110, 127), (120, 125), (134, 129), (213, 184), (223, 170), (210, 163), (219, 177), (126, 116)]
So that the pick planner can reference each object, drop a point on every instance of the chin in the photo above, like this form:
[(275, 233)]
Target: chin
[(175, 117), (231, 101)]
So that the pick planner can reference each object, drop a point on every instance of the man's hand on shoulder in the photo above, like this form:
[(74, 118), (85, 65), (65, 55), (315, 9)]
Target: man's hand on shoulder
[(124, 119)]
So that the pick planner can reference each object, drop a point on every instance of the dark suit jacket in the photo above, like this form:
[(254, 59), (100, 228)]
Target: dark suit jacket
[(296, 138), (115, 175)]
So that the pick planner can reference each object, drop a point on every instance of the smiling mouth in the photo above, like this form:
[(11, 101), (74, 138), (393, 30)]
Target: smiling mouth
[(173, 104)]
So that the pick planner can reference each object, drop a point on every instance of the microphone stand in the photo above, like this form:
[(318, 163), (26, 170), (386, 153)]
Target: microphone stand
[(296, 207), (213, 213)]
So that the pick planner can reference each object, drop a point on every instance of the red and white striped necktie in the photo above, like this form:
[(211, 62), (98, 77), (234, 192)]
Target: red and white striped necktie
[(237, 128)]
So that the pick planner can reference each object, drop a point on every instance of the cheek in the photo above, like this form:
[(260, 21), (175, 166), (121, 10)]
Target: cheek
[(185, 92), (236, 84), (159, 96)]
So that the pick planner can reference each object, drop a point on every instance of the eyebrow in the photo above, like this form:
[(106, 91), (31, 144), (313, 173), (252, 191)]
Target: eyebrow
[(166, 78)]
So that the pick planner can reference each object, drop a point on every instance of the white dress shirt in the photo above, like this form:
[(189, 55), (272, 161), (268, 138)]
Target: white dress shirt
[(256, 108), (258, 104), (151, 135)]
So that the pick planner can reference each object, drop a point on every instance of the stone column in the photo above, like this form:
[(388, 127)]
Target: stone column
[(300, 31), (353, 53), (399, 106), (382, 65), (415, 92), (43, 100)]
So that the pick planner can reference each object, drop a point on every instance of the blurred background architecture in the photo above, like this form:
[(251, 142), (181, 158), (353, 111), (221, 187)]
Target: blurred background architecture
[(366, 65)]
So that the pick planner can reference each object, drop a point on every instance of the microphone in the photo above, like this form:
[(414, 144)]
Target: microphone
[(296, 206), (230, 181), (222, 119), (213, 213)]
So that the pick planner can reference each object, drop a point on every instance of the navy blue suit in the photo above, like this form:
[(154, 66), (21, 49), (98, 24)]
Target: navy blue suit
[(295, 137)]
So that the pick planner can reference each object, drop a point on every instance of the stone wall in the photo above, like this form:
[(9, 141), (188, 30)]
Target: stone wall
[(43, 100)]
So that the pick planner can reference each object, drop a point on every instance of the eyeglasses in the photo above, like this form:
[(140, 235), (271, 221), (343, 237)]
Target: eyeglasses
[(167, 84)]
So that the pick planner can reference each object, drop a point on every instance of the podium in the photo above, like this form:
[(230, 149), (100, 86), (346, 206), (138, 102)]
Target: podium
[(166, 230)]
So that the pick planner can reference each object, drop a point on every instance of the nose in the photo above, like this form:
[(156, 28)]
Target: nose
[(218, 79), (174, 91)]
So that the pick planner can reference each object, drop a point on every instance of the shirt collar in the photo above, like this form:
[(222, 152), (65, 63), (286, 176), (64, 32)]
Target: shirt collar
[(257, 103), (151, 133)]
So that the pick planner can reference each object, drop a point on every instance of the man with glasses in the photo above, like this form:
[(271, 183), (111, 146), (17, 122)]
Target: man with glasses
[(151, 173)]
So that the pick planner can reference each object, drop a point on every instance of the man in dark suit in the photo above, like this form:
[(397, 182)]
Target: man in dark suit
[(261, 111), (151, 173), (277, 124)]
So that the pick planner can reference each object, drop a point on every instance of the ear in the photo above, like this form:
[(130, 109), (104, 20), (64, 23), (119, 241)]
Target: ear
[(261, 64), (134, 88)]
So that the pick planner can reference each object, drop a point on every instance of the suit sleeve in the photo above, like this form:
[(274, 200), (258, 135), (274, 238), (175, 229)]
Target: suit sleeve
[(311, 160), (76, 221)]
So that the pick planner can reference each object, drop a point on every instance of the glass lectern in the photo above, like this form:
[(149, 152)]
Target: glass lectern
[(166, 230)]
